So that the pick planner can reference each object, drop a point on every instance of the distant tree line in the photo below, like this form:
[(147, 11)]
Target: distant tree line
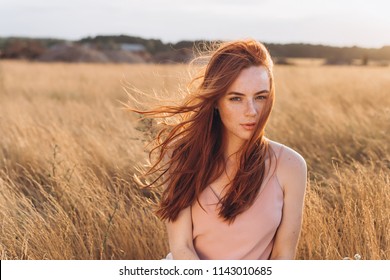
[(25, 48), (33, 49)]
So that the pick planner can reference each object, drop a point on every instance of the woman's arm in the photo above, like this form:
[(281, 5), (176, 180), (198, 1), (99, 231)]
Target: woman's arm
[(292, 173), (180, 231), (180, 236)]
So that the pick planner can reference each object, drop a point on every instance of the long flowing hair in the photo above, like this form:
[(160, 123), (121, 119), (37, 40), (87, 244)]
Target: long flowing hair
[(190, 153)]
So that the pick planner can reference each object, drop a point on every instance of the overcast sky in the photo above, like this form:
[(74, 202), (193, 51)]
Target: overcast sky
[(363, 23)]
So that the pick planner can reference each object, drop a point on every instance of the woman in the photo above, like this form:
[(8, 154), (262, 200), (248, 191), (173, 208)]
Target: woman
[(230, 193)]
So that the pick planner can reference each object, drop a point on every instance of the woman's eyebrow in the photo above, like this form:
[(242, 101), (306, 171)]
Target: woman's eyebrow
[(264, 91)]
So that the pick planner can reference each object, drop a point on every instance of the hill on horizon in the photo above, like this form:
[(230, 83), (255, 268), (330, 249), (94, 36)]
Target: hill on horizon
[(132, 49)]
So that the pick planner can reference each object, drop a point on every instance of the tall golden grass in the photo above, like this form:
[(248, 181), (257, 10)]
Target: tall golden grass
[(68, 153)]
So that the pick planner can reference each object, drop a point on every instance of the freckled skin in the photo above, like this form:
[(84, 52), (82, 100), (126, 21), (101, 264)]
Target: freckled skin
[(242, 104)]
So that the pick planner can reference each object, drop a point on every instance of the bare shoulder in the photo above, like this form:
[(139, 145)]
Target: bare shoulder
[(291, 166), (286, 156)]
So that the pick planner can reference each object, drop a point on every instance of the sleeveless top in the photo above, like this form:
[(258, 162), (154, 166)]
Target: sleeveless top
[(251, 235)]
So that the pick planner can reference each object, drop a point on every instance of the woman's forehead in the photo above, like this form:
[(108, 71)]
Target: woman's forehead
[(252, 79)]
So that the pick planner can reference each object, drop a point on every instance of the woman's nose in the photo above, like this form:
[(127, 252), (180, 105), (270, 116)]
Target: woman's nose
[(251, 108)]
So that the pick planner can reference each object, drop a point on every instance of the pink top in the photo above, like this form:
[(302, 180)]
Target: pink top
[(250, 237)]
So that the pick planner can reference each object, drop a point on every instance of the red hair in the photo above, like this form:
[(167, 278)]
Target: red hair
[(191, 152)]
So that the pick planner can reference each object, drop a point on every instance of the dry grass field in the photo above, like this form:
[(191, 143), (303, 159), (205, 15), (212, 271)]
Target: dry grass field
[(68, 153)]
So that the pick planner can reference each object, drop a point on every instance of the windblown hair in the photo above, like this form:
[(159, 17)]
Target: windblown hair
[(191, 152)]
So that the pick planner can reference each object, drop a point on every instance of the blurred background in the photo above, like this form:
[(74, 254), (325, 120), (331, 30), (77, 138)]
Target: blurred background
[(340, 32)]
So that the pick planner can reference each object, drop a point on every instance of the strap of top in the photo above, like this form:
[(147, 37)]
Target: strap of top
[(279, 154)]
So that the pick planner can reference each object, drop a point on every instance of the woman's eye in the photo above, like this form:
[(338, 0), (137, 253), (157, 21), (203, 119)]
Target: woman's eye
[(261, 97), (235, 98)]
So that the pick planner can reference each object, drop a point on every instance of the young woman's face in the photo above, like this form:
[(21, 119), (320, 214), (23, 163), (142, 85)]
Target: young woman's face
[(241, 105)]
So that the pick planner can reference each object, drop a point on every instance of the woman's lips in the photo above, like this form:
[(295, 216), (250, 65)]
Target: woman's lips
[(249, 126)]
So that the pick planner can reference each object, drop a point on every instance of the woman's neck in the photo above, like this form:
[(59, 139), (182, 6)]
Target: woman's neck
[(232, 153)]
